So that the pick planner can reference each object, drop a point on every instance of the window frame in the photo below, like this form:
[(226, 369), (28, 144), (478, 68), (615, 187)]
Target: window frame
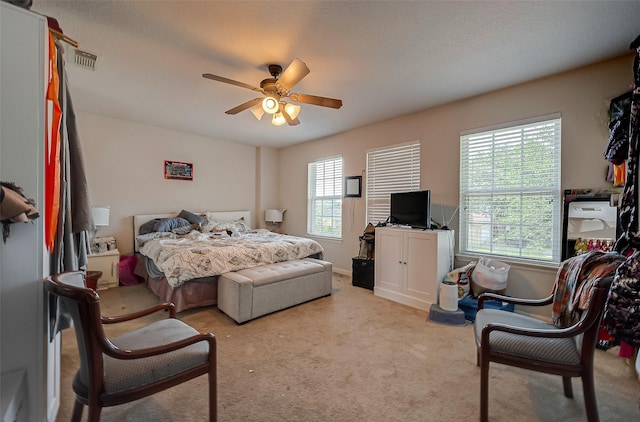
[(335, 192), (496, 143)]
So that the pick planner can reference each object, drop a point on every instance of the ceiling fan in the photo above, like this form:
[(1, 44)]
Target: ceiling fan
[(275, 90)]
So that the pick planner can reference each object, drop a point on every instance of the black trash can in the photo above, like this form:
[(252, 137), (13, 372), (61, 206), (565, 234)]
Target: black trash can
[(363, 271)]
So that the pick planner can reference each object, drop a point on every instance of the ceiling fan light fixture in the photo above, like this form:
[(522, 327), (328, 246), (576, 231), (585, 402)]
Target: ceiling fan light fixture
[(278, 119), (292, 110), (271, 104)]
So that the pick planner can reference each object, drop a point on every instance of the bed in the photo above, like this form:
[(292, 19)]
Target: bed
[(181, 264)]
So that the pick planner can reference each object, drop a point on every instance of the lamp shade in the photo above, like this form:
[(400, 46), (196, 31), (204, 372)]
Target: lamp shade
[(292, 110), (273, 216), (100, 216), (278, 119), (271, 103)]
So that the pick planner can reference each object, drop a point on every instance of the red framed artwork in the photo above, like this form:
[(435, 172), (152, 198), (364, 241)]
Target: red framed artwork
[(177, 170)]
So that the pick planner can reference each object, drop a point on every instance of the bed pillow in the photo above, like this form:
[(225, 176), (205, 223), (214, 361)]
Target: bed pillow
[(230, 226), (148, 226), (241, 225), (192, 218), (168, 224)]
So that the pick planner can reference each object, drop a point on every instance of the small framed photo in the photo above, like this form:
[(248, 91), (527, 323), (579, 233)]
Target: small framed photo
[(353, 186), (178, 170)]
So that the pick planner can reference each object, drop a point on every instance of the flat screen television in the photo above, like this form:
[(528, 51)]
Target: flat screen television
[(411, 209)]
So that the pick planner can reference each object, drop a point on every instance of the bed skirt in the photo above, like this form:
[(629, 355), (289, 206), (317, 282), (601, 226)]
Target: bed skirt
[(191, 294)]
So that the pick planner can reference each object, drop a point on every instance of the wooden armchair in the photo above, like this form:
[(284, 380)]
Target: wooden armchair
[(518, 340), (134, 365)]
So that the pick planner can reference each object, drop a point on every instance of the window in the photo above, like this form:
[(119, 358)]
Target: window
[(324, 210), (510, 190), (390, 169)]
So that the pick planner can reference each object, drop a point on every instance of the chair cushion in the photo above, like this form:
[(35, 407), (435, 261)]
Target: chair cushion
[(121, 375), (560, 350)]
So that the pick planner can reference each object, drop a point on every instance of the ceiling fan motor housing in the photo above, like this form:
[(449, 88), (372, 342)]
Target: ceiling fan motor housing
[(269, 85), (275, 70)]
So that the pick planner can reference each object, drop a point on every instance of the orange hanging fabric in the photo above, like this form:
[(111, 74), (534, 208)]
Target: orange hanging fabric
[(52, 150), (619, 174)]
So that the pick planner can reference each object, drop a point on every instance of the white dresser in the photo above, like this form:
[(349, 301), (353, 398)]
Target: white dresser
[(411, 263)]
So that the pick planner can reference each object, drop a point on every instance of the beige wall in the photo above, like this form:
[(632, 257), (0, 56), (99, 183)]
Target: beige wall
[(267, 173), (581, 96), (125, 170)]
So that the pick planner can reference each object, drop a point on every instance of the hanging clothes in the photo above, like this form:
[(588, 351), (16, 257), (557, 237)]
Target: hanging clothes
[(71, 243), (622, 313), (52, 149), (69, 193), (617, 150), (630, 238), (619, 174)]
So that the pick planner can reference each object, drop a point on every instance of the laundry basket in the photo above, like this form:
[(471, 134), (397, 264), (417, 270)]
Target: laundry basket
[(489, 275)]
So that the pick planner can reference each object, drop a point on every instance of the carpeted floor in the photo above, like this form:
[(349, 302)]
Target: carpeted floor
[(353, 357)]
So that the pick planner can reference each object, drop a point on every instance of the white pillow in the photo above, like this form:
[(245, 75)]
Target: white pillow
[(232, 226)]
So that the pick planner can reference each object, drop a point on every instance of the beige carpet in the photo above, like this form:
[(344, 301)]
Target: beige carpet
[(354, 357)]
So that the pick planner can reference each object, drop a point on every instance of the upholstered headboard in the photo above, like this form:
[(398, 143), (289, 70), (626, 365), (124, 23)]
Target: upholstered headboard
[(140, 219)]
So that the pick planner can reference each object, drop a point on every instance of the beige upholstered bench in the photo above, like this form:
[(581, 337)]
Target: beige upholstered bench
[(254, 292)]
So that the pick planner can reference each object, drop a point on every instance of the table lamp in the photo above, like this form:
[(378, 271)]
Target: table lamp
[(100, 219)]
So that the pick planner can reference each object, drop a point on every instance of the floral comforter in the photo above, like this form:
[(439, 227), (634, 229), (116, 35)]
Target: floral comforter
[(196, 254)]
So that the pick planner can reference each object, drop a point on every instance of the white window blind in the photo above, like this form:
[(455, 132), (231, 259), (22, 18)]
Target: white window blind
[(324, 209), (390, 169), (510, 191)]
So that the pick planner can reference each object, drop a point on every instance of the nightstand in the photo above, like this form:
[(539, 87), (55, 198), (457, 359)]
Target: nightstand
[(107, 263)]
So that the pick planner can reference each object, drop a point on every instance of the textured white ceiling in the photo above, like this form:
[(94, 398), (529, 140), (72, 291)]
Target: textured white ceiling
[(384, 59)]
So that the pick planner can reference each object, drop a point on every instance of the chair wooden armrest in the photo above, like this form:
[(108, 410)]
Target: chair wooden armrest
[(515, 300), (138, 314)]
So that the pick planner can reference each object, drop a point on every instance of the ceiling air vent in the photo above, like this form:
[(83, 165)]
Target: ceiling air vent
[(84, 59)]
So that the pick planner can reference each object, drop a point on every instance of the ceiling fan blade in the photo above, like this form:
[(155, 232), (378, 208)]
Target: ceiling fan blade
[(231, 81), (292, 75), (315, 100), (244, 106)]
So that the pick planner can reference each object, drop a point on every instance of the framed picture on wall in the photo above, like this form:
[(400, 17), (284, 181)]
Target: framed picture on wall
[(353, 186), (178, 170)]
